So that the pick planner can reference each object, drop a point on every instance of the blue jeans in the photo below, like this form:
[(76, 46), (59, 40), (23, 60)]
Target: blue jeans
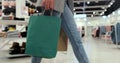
[(70, 28)]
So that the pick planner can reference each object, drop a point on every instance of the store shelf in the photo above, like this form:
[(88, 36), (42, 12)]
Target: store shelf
[(5, 53), (5, 41), (13, 22), (6, 44)]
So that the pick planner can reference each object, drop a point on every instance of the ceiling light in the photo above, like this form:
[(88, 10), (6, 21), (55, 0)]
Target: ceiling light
[(109, 5), (108, 15), (102, 13), (113, 13), (93, 12), (74, 9), (104, 17), (80, 16), (88, 2), (37, 11)]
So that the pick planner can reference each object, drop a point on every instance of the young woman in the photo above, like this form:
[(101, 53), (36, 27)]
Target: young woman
[(63, 9)]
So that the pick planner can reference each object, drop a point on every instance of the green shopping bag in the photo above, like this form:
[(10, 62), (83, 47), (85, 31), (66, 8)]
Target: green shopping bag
[(42, 36)]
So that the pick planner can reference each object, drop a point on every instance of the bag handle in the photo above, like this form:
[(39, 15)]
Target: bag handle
[(51, 12), (42, 12)]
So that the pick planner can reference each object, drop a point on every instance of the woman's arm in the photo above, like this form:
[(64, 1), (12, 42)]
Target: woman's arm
[(48, 4)]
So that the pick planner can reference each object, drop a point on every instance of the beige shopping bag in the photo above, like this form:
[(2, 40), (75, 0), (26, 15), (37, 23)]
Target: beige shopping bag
[(63, 41)]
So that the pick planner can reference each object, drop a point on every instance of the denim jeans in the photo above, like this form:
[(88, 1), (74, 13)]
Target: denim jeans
[(70, 28)]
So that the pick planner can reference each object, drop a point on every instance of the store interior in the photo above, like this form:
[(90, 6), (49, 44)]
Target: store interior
[(98, 22)]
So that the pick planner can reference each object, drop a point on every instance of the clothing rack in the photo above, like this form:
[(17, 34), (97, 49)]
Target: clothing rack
[(117, 45)]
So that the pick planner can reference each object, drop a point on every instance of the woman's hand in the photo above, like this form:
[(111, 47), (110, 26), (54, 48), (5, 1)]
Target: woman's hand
[(48, 4)]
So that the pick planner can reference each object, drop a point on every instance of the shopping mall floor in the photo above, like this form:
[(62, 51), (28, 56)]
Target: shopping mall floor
[(98, 51)]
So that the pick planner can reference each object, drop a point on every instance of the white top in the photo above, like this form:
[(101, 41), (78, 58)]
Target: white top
[(58, 5)]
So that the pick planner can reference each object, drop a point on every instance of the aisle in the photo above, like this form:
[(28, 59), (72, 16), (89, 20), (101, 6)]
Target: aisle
[(97, 50), (101, 51)]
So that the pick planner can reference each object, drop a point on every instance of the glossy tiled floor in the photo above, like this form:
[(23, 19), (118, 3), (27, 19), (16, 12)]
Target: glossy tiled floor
[(98, 51)]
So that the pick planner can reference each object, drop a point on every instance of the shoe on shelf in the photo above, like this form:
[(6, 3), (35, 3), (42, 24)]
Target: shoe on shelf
[(23, 48), (15, 49)]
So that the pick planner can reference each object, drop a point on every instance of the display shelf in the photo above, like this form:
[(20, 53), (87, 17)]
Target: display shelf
[(5, 53), (6, 43), (13, 22)]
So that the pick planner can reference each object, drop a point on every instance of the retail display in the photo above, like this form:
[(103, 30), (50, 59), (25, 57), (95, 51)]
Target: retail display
[(115, 35), (8, 12), (33, 9), (102, 30), (17, 49), (23, 48), (8, 9), (110, 32), (39, 9), (13, 34), (27, 4), (96, 32)]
